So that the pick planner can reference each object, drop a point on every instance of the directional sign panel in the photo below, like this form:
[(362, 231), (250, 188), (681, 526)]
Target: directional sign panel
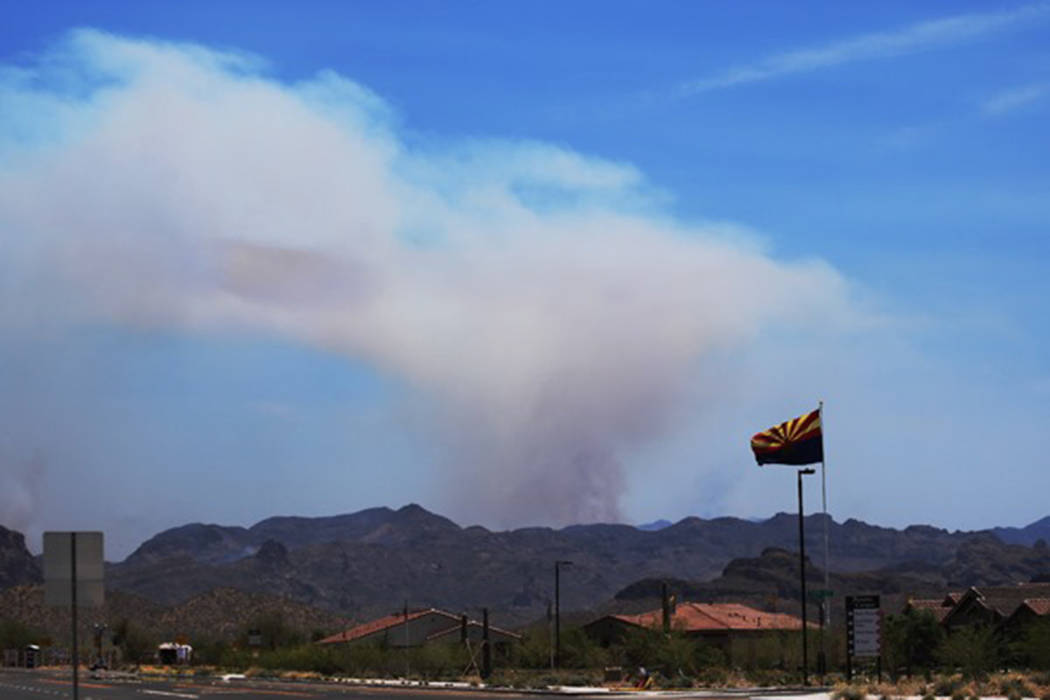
[(60, 557), (863, 625)]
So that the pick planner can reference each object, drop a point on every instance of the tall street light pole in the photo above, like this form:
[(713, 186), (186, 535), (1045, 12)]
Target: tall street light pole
[(557, 610), (802, 574)]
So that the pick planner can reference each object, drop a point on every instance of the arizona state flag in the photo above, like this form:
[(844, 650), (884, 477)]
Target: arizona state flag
[(797, 441)]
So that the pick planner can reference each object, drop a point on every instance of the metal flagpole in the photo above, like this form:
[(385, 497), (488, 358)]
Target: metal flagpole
[(825, 607), (824, 496)]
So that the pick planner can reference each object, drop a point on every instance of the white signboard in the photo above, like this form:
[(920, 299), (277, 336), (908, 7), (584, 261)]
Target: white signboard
[(863, 625), (60, 556)]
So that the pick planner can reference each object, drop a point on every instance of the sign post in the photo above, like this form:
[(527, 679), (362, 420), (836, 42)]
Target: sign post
[(73, 574), (863, 631)]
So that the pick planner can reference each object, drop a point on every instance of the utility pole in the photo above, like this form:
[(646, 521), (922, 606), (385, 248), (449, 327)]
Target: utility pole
[(486, 649), (550, 630), (557, 610), (75, 658)]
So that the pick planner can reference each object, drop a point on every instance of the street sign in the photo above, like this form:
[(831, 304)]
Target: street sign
[(73, 573), (61, 556), (821, 593), (863, 625)]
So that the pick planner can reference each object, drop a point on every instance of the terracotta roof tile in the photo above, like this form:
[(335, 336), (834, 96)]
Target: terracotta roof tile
[(1006, 599), (474, 624), (383, 623), (709, 617), (936, 607), (1040, 606)]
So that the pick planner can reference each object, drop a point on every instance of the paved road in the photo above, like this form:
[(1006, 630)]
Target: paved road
[(27, 685), (42, 685)]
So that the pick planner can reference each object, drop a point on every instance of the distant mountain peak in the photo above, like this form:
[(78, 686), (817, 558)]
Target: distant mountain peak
[(654, 525), (17, 565)]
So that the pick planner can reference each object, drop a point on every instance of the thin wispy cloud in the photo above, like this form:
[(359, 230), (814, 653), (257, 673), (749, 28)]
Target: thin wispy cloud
[(914, 38), (1015, 98)]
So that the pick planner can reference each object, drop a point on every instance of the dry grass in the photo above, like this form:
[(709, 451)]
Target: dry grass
[(1014, 684)]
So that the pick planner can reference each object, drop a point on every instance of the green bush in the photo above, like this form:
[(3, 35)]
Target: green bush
[(580, 651), (136, 645), (1033, 649), (911, 640), (972, 650), (16, 635)]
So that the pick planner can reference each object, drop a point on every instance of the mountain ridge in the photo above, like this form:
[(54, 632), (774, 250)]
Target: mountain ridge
[(362, 564)]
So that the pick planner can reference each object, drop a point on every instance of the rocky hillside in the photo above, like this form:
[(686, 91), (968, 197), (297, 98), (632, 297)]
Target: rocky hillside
[(220, 614), (365, 564), (1029, 535), (772, 581), (17, 565)]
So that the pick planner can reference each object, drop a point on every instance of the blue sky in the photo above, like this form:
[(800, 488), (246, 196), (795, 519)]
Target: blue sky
[(520, 263)]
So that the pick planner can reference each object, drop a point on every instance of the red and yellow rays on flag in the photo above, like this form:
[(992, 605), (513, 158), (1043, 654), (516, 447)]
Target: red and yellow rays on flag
[(797, 441)]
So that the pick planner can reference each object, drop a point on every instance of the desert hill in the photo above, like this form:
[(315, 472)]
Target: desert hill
[(365, 564)]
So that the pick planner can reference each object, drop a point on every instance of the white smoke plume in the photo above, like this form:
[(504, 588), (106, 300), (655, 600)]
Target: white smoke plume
[(538, 297), (20, 497)]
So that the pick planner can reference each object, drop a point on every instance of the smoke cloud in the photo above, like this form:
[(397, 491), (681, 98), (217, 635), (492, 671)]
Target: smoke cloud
[(540, 299), (20, 497)]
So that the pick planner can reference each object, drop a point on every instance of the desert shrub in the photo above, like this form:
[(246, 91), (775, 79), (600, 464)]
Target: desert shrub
[(274, 630), (773, 677), (580, 651), (947, 685), (15, 635), (911, 640), (1015, 687), (972, 650), (712, 675), (441, 661), (849, 692), (135, 644), (534, 649), (1033, 648), (677, 681)]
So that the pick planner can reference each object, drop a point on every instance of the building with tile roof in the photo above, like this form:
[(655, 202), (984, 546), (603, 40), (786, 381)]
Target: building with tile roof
[(1029, 611), (938, 607), (415, 628), (732, 627), (993, 605)]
